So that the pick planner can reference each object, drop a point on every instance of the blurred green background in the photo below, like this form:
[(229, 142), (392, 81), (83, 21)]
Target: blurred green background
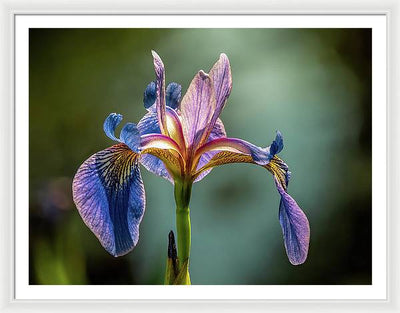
[(314, 85)]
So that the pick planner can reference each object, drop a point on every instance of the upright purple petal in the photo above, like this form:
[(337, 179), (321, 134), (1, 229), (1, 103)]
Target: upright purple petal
[(172, 96), (160, 91), (109, 194), (221, 77), (196, 108), (295, 227)]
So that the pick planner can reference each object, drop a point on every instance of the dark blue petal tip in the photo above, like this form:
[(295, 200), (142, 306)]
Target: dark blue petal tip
[(173, 95), (149, 97), (277, 144)]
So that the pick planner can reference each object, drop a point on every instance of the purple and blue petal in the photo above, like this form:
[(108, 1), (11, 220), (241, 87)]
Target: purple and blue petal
[(217, 132), (110, 124), (129, 134), (149, 125), (173, 95), (260, 156), (149, 97), (196, 109), (160, 92), (295, 227), (277, 144), (221, 77), (109, 194)]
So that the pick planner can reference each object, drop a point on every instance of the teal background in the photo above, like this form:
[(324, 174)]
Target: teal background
[(314, 85)]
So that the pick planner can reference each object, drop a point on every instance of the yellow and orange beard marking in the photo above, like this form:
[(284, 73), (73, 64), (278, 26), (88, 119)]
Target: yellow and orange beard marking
[(171, 159), (274, 166), (119, 165), (174, 128)]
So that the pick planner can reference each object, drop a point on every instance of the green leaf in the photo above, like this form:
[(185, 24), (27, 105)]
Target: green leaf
[(183, 277)]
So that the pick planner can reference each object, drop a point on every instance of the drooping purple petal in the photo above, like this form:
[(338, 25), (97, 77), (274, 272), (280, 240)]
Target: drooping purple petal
[(196, 109), (295, 227), (160, 91), (109, 194)]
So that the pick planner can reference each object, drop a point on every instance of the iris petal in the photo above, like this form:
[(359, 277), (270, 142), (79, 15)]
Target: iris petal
[(156, 166), (234, 150), (149, 97), (160, 91), (221, 77), (130, 136), (277, 144), (261, 156), (110, 124), (196, 109), (217, 132), (295, 227), (294, 223), (166, 149), (149, 129), (109, 194), (149, 125), (173, 95)]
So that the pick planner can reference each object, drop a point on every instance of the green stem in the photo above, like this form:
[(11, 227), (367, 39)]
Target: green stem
[(183, 229), (182, 198)]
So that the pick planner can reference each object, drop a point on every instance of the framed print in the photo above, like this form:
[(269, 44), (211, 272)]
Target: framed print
[(120, 118)]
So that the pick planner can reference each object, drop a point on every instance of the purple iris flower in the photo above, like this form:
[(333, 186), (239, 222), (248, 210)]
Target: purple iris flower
[(181, 140)]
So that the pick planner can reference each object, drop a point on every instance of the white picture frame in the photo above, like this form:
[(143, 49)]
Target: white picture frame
[(8, 291)]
